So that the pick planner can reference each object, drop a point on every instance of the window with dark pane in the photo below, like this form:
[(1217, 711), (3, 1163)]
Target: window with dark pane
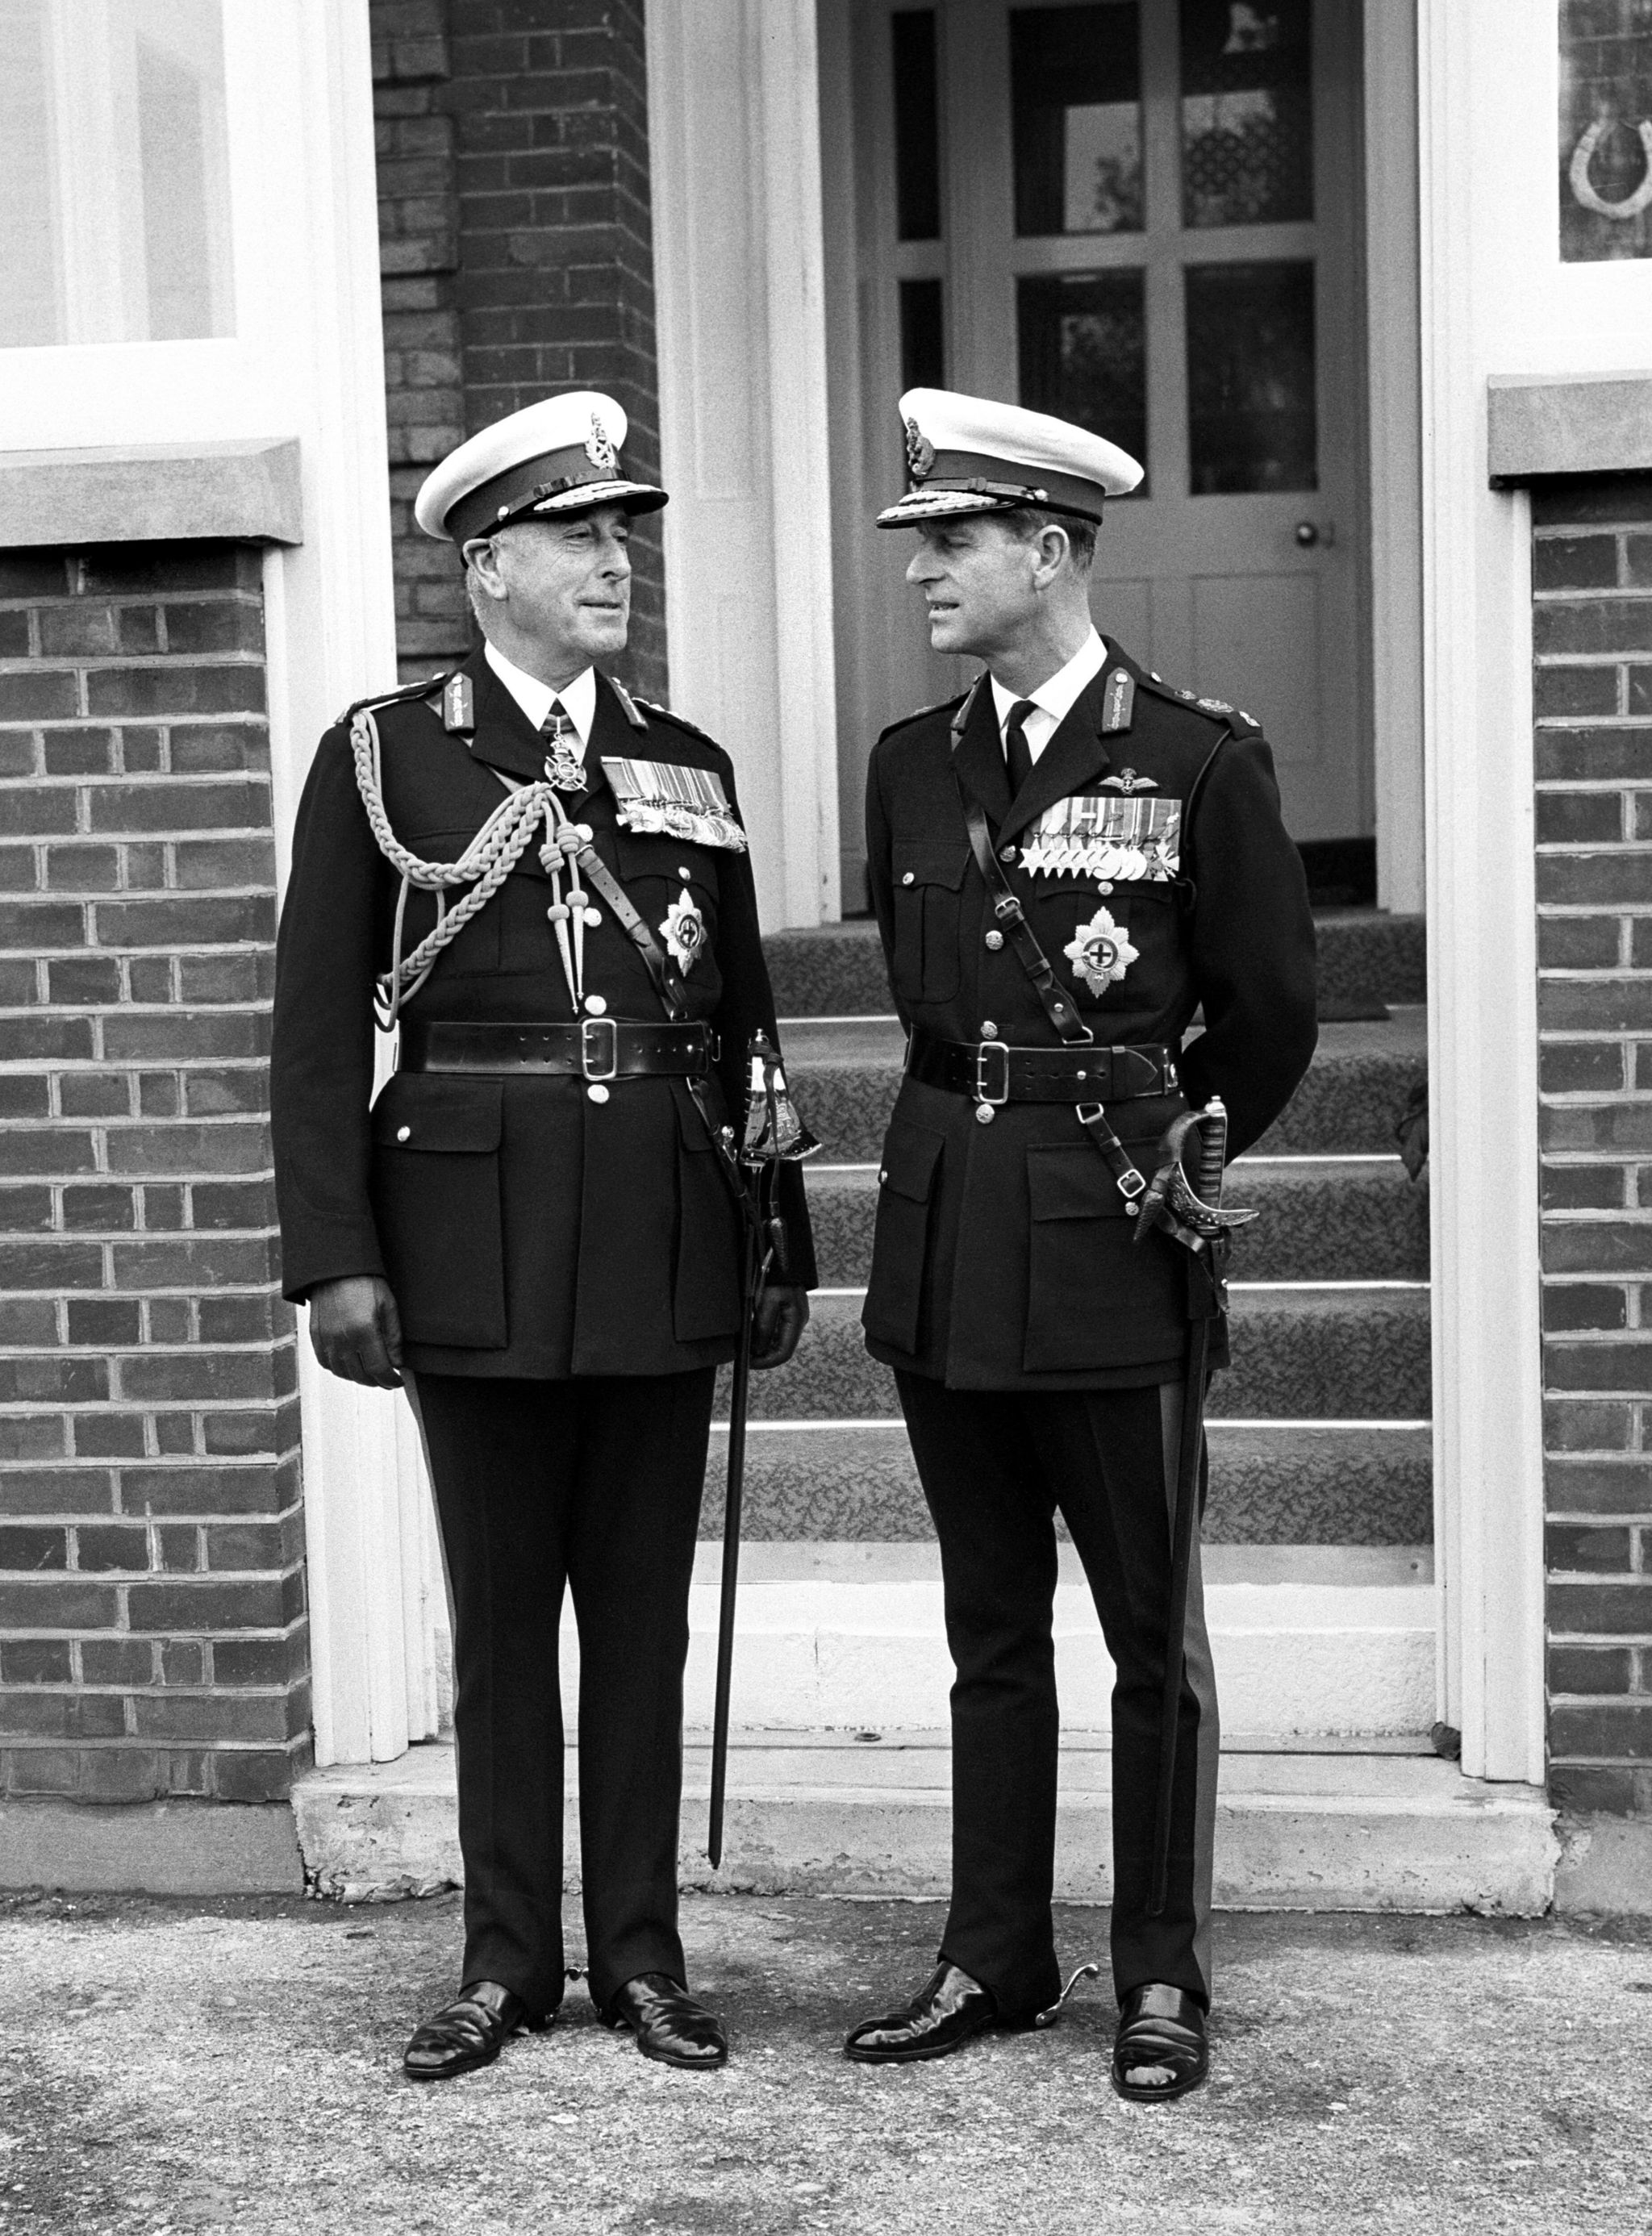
[(1252, 424), (1076, 107), (1246, 112), (923, 349), (917, 126), (1082, 345)]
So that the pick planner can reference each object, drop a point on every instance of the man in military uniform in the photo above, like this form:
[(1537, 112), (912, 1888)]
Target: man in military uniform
[(1065, 865), (535, 1226)]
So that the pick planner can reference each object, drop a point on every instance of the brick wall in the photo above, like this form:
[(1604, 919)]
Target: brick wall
[(513, 175), (152, 1636), (1592, 564)]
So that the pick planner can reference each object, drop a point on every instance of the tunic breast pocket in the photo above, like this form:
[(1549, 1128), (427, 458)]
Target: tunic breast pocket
[(474, 947), (674, 889), (929, 884), (435, 1200)]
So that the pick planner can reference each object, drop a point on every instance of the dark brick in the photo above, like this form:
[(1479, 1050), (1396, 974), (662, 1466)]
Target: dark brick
[(206, 1717), (222, 1093), (1606, 1366), (121, 1774), (1582, 1187), (174, 804), (170, 1320), (209, 864), (1601, 1552), (29, 814), (209, 1490), (96, 1210), (221, 1205), (35, 925), (67, 1603), (79, 752), (1580, 819), (179, 1551), (30, 1320), (247, 1604), (169, 688), (1598, 1246), (58, 1379), (164, 1209), (111, 1546), (1621, 1728), (273, 1661), (175, 922), (48, 1039), (182, 1662), (158, 1095), (107, 1435), (83, 869), (38, 694), (174, 1432), (130, 569), (24, 1210), (14, 636), (61, 1715), (141, 751), (178, 1376), (150, 977), (24, 1550), (1610, 1126), (1577, 943), (1640, 691), (1575, 1425), (245, 1320), (226, 977), (39, 1772), (18, 984), (1619, 1609), (104, 1320), (194, 1262), (31, 1437), (35, 1662), (146, 867), (1593, 625), (18, 870), (1577, 1304), (23, 1095), (206, 749), (188, 1148), (191, 1035), (1598, 879), (32, 574), (50, 1265), (91, 979), (1591, 1669), (1575, 563), (211, 627), (1580, 1067), (117, 1661), (1597, 754)]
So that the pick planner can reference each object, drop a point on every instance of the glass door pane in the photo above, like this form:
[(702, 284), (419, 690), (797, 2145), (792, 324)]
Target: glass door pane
[(1076, 106), (1246, 112)]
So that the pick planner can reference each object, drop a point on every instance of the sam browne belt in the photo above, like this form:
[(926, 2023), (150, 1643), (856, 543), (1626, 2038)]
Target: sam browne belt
[(595, 1048), (993, 1072)]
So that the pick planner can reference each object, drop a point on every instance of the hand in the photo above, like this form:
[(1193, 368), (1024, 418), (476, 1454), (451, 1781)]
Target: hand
[(778, 1322), (355, 1329)]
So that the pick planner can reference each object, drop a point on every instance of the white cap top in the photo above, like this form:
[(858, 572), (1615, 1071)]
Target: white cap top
[(967, 454), (558, 455)]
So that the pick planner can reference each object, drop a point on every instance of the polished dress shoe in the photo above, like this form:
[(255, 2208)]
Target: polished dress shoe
[(468, 2032), (945, 2012), (668, 2023), (1159, 2050)]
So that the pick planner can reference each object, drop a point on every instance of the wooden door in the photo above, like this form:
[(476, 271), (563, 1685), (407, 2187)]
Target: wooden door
[(1141, 215)]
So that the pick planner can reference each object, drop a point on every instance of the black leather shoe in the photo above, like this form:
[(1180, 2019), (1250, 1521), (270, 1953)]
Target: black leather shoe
[(668, 2023), (1159, 2050), (468, 2032), (941, 2016)]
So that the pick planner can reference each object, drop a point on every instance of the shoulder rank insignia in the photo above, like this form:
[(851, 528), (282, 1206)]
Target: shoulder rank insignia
[(422, 689), (458, 705), (663, 798), (1128, 781), (628, 706), (1212, 705), (1118, 700), (669, 714)]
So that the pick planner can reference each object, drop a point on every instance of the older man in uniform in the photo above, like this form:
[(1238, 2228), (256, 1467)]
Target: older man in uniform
[(536, 1227), (1066, 864)]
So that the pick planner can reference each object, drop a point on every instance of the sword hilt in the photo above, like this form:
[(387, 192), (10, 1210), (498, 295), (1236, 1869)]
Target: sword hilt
[(1213, 1151)]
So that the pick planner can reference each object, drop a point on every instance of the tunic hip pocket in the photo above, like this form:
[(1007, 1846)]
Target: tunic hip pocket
[(436, 1202), (1094, 1299), (894, 1306), (706, 1288)]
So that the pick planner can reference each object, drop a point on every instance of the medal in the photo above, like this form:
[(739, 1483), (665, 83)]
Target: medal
[(1100, 952), (684, 930), (1119, 841), (565, 762), (670, 798)]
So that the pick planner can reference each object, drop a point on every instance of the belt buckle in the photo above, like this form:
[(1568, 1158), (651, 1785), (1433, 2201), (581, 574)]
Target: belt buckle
[(982, 1092), (588, 1027)]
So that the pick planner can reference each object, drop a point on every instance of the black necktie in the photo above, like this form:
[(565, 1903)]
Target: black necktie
[(1017, 752)]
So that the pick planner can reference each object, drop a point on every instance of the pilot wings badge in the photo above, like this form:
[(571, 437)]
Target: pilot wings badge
[(1100, 952), (684, 931)]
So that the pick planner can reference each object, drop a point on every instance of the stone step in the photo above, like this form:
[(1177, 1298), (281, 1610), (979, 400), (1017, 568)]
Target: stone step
[(837, 969), (1360, 1216), (1298, 1354), (845, 1077), (1271, 1484)]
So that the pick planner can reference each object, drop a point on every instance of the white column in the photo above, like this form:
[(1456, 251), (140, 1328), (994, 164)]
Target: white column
[(734, 147), (1476, 223)]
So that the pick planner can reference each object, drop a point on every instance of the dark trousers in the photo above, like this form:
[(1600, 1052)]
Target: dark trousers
[(995, 1467), (595, 1482)]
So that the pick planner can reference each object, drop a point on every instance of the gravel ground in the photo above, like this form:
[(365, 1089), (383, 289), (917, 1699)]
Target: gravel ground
[(170, 2067)]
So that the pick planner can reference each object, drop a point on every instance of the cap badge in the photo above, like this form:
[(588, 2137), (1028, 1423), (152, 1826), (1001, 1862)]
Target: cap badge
[(920, 452), (1126, 780), (598, 448), (684, 930), (1100, 952)]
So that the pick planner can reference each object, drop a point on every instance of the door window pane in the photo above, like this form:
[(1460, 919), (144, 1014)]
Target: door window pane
[(918, 127), (922, 347), (113, 172), (1083, 338), (1246, 112), (1251, 418), (1075, 104)]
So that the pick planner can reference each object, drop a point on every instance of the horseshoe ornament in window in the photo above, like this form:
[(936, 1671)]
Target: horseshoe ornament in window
[(1583, 156)]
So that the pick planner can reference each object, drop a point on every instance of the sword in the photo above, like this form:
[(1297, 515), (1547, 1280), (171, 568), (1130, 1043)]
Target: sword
[(1194, 1217), (774, 1135)]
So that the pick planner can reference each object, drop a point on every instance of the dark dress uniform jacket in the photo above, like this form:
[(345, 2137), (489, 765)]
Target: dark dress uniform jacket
[(524, 1229), (1002, 1258)]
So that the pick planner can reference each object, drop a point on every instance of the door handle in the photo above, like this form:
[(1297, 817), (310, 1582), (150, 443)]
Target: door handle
[(1310, 532)]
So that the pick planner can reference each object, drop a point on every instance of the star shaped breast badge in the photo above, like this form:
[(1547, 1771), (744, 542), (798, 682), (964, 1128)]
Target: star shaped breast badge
[(1100, 952)]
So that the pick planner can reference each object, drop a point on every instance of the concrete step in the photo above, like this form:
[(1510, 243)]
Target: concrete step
[(1358, 1215), (838, 969), (1298, 1354), (845, 1075), (1291, 1484)]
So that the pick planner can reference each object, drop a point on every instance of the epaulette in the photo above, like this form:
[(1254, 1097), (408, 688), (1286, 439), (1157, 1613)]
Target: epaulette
[(667, 714), (425, 690), (1218, 709), (941, 707)]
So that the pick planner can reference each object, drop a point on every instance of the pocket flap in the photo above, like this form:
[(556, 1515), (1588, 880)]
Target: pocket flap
[(910, 1155), (923, 862), (420, 1110), (649, 854), (1076, 1183)]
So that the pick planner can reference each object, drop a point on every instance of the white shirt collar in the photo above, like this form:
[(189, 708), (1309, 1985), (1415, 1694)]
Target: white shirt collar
[(1053, 699), (578, 697)]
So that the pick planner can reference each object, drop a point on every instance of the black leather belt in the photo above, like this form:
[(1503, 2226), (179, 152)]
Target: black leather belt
[(595, 1048), (991, 1071)]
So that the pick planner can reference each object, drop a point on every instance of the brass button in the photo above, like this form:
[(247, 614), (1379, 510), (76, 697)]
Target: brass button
[(989, 1031), (597, 1094), (984, 1113), (995, 941), (593, 917), (1105, 886), (596, 1005), (883, 1176), (1006, 853), (682, 870), (404, 1133), (909, 879)]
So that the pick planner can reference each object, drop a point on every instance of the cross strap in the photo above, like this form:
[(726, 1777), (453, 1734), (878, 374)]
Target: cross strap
[(667, 979)]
